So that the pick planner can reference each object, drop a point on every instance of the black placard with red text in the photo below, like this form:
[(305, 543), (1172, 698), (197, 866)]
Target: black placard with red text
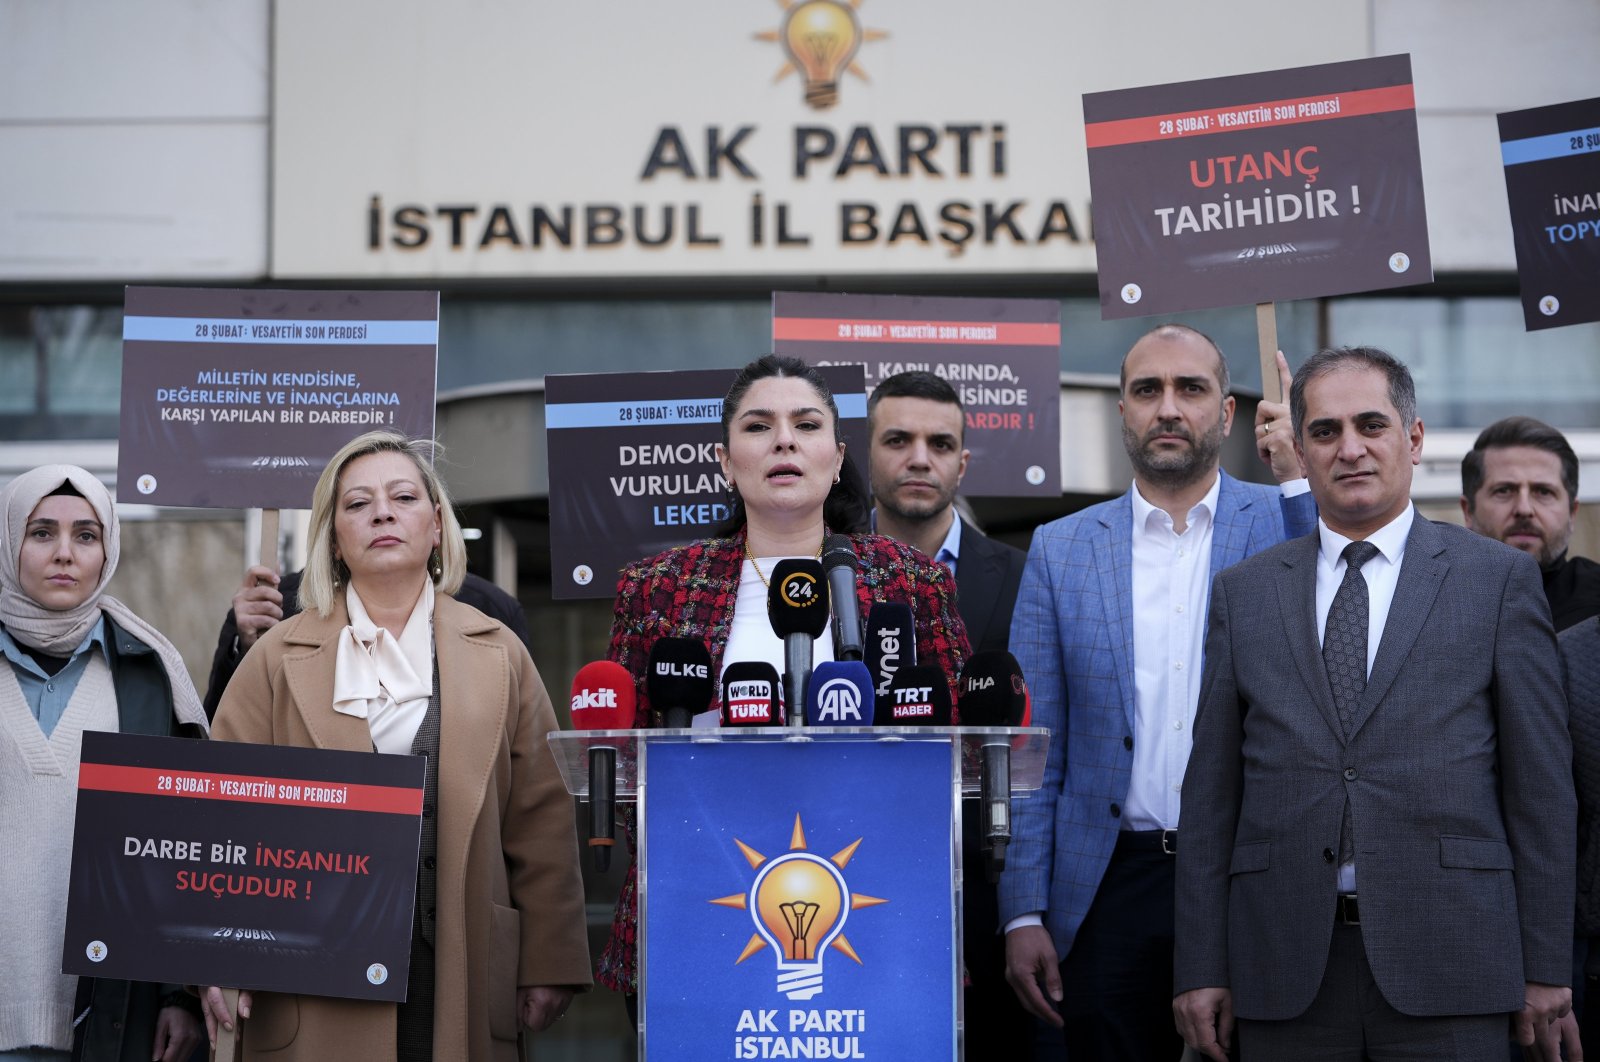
[(1002, 356), (633, 468), (250, 866), (1286, 184), (1552, 164)]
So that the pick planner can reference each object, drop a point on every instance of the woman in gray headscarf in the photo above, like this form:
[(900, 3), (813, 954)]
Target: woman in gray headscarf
[(72, 659)]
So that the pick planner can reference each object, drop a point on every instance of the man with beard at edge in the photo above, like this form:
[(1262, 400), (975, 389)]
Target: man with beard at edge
[(1519, 485), (1108, 629)]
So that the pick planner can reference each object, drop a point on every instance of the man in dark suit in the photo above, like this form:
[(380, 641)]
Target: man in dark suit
[(1382, 708), (263, 600), (1519, 484), (916, 463)]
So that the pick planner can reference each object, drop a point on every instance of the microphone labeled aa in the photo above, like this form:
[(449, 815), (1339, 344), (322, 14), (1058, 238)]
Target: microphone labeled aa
[(603, 698), (678, 679), (840, 694), (750, 695)]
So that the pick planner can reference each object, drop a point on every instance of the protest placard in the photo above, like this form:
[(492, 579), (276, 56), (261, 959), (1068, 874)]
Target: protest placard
[(633, 465), (252, 866), (237, 398), (1287, 184), (1002, 356), (1552, 165)]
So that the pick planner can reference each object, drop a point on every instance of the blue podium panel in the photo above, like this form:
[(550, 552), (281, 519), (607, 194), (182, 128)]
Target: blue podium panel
[(798, 900)]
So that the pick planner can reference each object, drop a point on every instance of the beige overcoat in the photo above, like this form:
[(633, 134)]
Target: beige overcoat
[(510, 898)]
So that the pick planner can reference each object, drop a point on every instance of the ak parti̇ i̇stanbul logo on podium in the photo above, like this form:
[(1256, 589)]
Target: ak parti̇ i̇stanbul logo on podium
[(799, 903), (821, 38)]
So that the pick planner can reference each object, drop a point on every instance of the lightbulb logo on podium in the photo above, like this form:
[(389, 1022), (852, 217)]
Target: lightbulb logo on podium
[(821, 38), (799, 903)]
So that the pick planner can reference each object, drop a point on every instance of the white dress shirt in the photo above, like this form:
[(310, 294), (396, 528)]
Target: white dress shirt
[(1382, 574), (1171, 584)]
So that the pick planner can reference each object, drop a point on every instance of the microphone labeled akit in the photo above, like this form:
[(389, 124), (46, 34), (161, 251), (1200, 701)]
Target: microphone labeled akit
[(603, 698)]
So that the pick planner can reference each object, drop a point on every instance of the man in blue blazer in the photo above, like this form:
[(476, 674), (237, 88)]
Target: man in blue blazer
[(1108, 629)]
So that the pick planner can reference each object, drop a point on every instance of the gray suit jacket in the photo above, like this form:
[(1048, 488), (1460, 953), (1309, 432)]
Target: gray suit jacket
[(1458, 776)]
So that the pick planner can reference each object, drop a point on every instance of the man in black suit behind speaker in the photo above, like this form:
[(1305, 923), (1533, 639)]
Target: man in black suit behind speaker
[(917, 459)]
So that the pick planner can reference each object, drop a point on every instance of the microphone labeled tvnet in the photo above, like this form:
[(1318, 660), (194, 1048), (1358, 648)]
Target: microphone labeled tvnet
[(840, 694), (918, 696), (750, 695), (891, 645), (797, 605), (993, 693), (678, 679), (840, 563), (603, 698)]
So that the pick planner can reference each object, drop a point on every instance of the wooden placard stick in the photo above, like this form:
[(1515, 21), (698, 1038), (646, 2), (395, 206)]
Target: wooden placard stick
[(269, 538), (1267, 339), (228, 1039)]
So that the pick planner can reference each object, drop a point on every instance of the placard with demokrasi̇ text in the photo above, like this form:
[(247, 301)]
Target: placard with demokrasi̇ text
[(634, 470)]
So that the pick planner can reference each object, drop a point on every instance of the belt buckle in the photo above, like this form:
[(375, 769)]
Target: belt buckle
[(1169, 842)]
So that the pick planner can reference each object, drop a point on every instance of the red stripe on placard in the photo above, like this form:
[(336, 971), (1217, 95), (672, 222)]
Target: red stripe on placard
[(1184, 124), (251, 789), (866, 330)]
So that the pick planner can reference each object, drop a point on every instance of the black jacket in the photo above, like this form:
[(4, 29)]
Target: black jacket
[(120, 1025)]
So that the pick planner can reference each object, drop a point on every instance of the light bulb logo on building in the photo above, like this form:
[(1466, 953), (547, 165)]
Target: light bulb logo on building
[(799, 903), (821, 38)]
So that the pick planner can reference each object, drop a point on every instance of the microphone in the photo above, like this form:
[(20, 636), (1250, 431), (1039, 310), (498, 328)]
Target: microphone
[(918, 696), (839, 563), (840, 695), (993, 693), (602, 699), (891, 645), (679, 679), (797, 605), (750, 691)]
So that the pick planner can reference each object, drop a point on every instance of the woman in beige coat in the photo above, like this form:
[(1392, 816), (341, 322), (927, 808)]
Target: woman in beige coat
[(503, 944)]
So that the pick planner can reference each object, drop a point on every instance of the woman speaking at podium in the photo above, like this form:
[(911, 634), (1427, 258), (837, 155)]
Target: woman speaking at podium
[(782, 453), (384, 659)]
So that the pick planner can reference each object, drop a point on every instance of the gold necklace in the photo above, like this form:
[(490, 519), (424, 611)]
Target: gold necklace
[(751, 557)]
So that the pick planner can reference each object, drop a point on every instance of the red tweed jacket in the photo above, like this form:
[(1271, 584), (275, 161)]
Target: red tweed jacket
[(690, 591)]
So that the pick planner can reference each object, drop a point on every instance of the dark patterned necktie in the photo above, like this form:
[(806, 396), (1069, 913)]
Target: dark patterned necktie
[(1344, 654), (1344, 639)]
